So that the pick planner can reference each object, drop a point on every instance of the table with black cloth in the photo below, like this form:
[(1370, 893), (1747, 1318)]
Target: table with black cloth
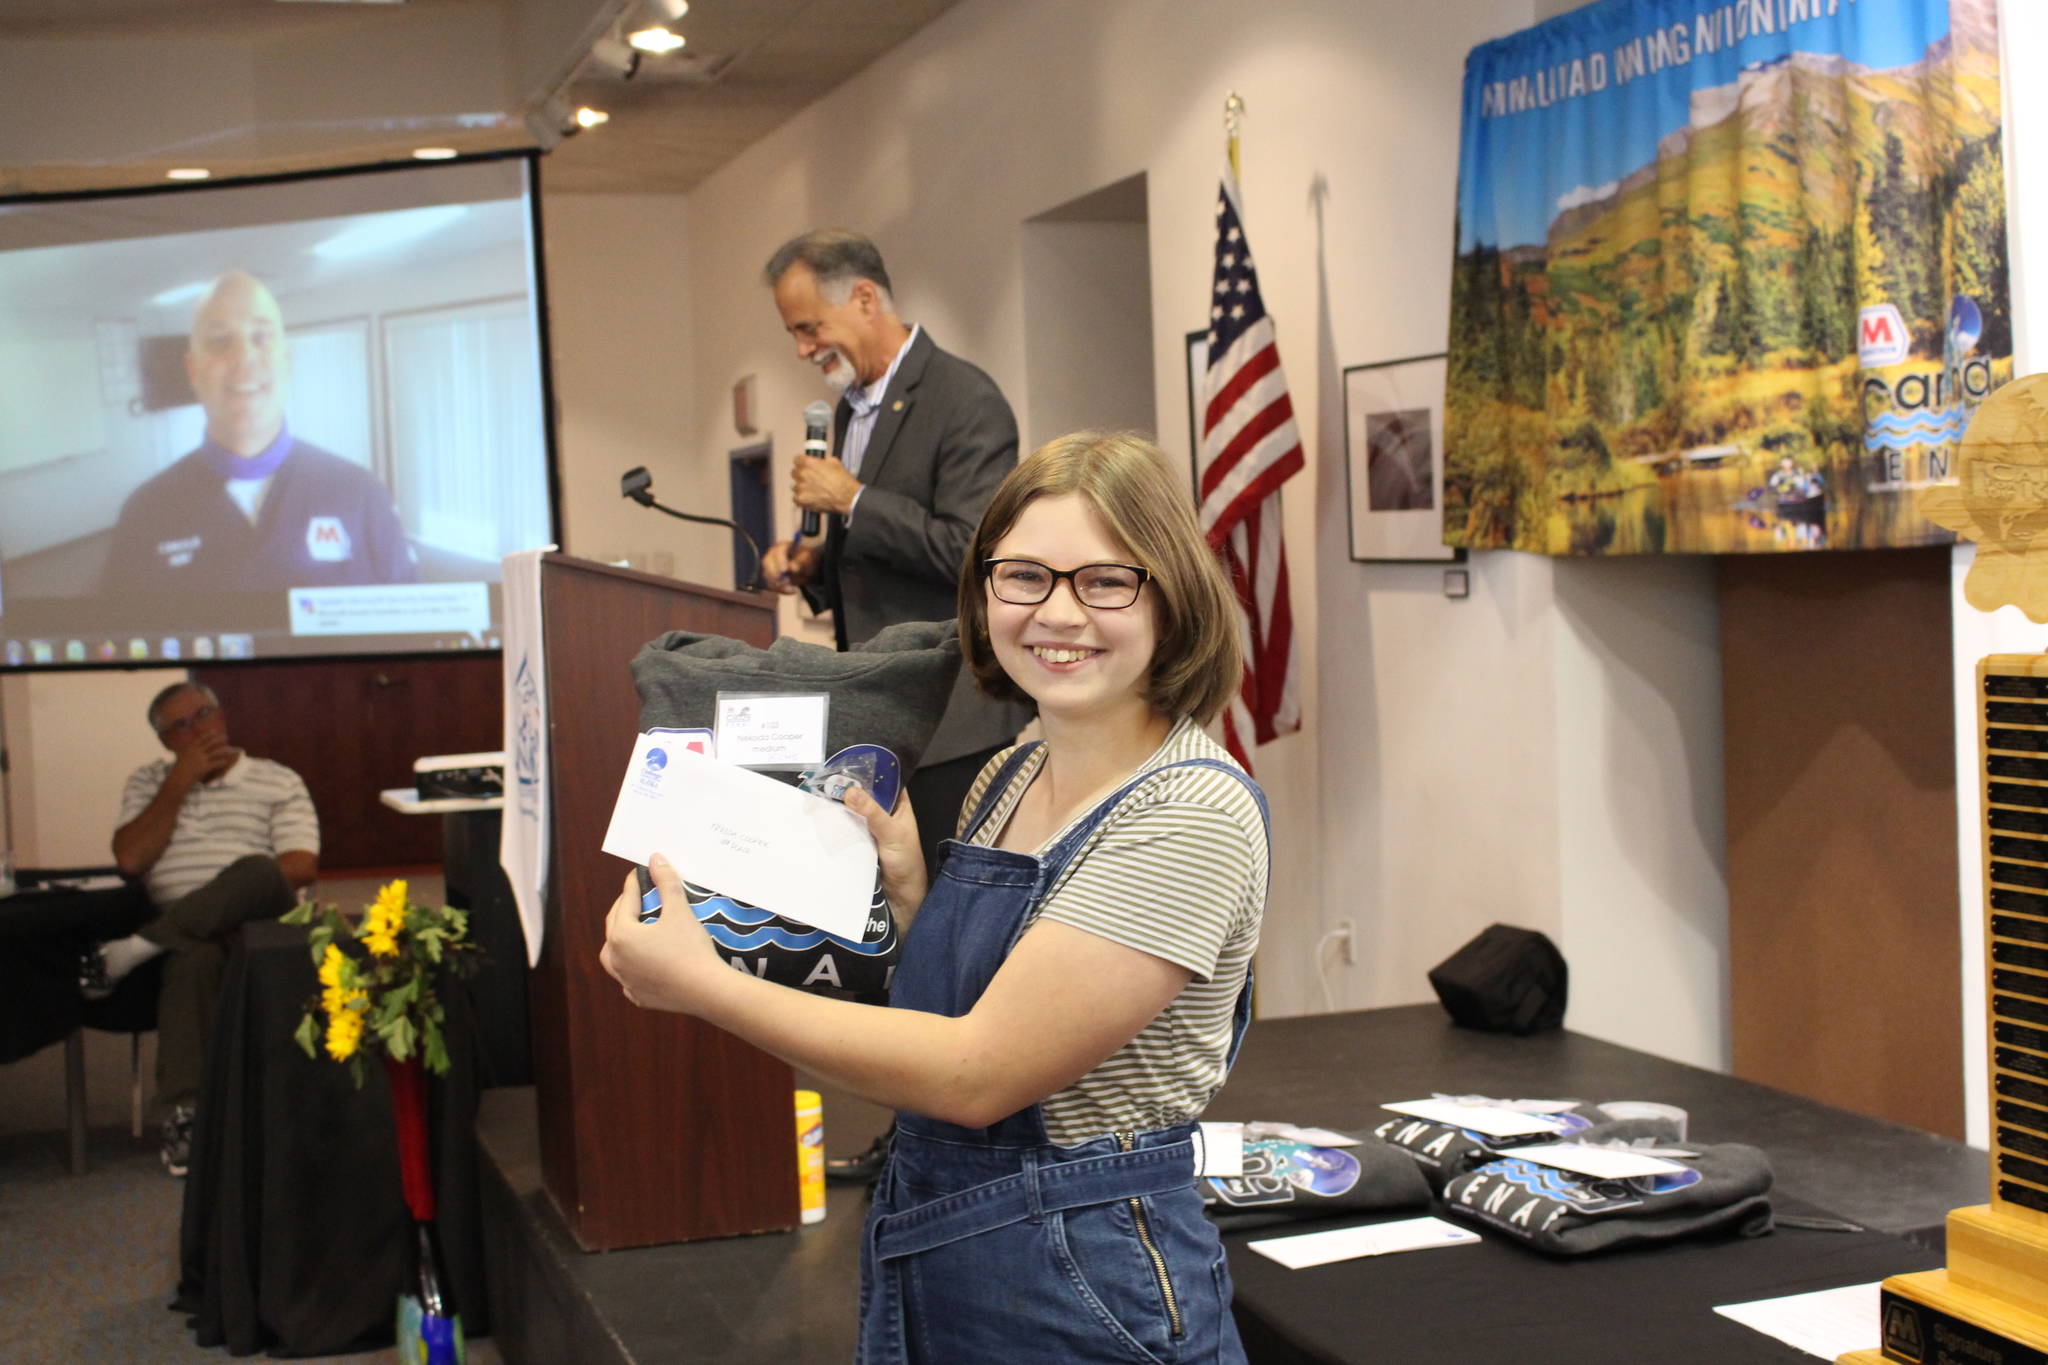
[(43, 929), (1500, 1300), (295, 1238), (780, 1298)]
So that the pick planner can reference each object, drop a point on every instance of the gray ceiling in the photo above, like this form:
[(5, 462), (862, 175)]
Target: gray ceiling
[(107, 93)]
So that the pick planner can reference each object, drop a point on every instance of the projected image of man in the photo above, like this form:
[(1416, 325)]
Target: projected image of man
[(254, 508)]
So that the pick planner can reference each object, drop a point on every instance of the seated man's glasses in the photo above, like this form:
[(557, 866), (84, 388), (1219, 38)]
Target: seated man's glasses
[(1026, 582), (184, 723)]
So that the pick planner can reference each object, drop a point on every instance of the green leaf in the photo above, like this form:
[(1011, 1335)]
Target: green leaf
[(401, 1038), (355, 1068), (308, 1035), (436, 1051)]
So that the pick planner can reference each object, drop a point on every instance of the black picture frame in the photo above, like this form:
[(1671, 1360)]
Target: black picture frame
[(1394, 461)]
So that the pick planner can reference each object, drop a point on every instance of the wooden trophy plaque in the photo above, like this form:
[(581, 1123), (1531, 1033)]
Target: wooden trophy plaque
[(1990, 1303)]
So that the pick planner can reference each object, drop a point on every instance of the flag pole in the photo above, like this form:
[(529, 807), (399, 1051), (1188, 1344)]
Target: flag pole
[(1233, 119)]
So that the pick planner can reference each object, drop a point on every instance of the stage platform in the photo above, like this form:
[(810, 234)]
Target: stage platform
[(790, 1298)]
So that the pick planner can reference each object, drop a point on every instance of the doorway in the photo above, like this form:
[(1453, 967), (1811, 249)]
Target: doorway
[(1088, 315), (748, 471)]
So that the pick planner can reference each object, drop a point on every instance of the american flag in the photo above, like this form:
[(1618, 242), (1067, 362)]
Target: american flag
[(1250, 446)]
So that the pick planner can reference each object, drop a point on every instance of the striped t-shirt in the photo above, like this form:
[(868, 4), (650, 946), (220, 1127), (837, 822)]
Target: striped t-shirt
[(257, 806), (1178, 869)]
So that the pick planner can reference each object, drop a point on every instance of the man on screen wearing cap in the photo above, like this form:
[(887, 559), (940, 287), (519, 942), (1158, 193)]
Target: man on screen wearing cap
[(254, 508)]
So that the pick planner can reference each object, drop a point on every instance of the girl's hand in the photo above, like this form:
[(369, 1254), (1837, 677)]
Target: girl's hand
[(662, 965), (904, 878)]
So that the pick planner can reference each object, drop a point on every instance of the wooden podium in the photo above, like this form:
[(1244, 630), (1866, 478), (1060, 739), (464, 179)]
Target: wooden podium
[(653, 1127)]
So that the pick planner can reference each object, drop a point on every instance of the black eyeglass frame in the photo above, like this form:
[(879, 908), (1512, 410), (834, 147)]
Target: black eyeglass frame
[(988, 574)]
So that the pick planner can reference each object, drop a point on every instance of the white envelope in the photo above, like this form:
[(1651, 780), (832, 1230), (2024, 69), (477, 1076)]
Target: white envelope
[(1490, 1119), (1602, 1163), (746, 836)]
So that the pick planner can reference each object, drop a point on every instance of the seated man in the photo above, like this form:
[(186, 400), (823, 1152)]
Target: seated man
[(219, 838)]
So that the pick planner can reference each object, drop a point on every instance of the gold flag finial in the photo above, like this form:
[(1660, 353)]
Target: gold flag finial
[(1233, 119)]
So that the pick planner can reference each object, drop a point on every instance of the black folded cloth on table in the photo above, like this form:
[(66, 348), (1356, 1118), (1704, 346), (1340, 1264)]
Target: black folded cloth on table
[(1723, 1188), (1443, 1151), (1285, 1179)]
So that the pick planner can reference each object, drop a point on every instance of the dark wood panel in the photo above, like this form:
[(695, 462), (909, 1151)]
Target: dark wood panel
[(654, 1127), (353, 727), (1844, 955)]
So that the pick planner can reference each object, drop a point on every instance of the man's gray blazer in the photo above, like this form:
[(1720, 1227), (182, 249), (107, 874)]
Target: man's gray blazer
[(942, 441)]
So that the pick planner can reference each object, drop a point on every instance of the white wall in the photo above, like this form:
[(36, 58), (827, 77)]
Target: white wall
[(2023, 37), (1641, 808), (622, 351), (72, 739), (1087, 329), (1453, 750)]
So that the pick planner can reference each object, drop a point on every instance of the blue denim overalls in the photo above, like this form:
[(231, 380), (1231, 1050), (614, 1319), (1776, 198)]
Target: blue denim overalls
[(990, 1244)]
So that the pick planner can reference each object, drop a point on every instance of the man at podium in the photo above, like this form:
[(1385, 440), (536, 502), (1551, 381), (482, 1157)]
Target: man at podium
[(921, 440)]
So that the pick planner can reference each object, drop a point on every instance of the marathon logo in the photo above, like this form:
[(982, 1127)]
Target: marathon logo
[(327, 540)]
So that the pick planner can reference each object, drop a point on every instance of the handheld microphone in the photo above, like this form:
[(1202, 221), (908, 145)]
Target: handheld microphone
[(816, 418)]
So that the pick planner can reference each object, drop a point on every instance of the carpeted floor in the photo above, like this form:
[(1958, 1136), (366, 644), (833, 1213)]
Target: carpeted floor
[(88, 1262)]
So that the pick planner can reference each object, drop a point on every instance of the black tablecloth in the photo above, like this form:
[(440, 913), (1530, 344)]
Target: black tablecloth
[(42, 933), (295, 1236), (476, 883), (1500, 1300), (1497, 1300)]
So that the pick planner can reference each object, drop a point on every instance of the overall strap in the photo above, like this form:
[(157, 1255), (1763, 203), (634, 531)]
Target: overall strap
[(1060, 854), (999, 784)]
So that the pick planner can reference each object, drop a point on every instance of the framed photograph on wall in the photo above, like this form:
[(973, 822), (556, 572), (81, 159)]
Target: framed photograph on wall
[(1394, 460)]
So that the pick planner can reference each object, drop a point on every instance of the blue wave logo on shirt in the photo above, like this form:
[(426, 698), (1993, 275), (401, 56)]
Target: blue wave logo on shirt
[(742, 928)]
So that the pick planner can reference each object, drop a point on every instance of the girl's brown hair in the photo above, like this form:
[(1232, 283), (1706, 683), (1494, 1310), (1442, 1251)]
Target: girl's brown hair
[(1196, 661)]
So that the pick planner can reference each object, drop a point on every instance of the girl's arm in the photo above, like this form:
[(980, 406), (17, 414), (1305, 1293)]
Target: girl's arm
[(1063, 1001)]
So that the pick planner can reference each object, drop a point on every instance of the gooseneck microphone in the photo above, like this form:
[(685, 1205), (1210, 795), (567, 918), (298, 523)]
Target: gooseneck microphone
[(637, 484), (817, 418)]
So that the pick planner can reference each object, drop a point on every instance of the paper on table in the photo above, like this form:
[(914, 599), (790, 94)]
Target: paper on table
[(1377, 1239), (1602, 1163), (1828, 1323), (1287, 1132), (746, 836), (1491, 1120)]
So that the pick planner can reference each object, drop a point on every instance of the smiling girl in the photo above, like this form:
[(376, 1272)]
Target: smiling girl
[(1075, 976)]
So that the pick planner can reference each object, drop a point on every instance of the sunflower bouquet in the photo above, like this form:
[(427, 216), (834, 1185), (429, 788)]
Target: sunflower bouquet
[(378, 979)]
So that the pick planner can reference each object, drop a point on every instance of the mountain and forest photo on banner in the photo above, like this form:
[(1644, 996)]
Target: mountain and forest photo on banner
[(1731, 275)]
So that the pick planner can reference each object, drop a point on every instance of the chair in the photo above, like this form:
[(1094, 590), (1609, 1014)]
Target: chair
[(46, 925), (131, 1009)]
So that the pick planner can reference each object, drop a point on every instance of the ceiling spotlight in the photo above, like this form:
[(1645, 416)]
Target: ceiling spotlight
[(187, 173), (612, 56), (671, 10), (434, 153), (587, 117), (655, 40)]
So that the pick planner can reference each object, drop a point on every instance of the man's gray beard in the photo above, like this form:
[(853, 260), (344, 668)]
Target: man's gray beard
[(840, 377)]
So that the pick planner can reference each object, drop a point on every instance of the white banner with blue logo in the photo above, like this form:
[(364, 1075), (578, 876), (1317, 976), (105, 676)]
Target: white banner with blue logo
[(1730, 275), (523, 841)]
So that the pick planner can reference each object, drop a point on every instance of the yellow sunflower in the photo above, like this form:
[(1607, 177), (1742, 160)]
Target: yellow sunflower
[(385, 921), (345, 1028)]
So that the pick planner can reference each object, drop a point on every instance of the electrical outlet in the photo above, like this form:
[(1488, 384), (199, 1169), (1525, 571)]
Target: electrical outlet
[(1347, 948)]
